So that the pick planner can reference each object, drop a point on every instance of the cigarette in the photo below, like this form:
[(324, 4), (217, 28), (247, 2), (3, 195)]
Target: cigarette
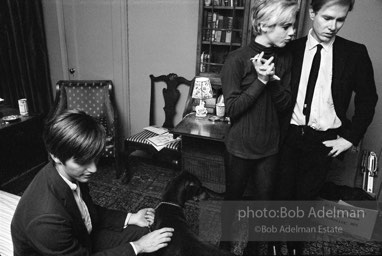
[(275, 77)]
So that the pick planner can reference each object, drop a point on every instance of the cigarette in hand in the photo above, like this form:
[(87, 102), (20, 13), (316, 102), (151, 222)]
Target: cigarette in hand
[(274, 77)]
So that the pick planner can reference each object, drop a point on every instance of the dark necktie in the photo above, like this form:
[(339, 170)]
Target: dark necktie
[(312, 83)]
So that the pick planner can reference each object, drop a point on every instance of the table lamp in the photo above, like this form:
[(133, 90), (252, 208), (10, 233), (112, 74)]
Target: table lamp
[(202, 90)]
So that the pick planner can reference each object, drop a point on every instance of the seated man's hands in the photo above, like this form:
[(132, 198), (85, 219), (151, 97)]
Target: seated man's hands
[(154, 241), (143, 218)]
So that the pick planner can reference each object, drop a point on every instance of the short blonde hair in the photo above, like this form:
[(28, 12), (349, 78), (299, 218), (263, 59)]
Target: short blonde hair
[(272, 13)]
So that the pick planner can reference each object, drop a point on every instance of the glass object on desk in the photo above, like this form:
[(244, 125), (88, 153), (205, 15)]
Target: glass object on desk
[(220, 106), (202, 90), (220, 109), (23, 107)]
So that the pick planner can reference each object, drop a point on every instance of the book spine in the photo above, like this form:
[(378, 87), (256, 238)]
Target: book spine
[(202, 65), (214, 20), (228, 37)]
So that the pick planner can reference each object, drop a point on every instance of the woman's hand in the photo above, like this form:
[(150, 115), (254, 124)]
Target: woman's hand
[(265, 69)]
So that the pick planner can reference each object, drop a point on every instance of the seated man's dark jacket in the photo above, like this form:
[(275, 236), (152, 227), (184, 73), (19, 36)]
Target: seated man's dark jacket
[(352, 73), (47, 220)]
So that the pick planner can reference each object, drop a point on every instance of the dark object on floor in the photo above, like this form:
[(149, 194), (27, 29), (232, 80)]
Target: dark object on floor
[(355, 196), (332, 191), (96, 98), (169, 213), (171, 94)]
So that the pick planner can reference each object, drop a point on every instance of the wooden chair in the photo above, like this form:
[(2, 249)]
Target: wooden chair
[(96, 98), (171, 153)]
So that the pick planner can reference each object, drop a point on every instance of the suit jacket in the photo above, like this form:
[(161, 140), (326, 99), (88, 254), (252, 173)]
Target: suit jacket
[(352, 73), (47, 220)]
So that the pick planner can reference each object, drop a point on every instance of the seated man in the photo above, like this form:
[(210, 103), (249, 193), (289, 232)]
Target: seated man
[(56, 215)]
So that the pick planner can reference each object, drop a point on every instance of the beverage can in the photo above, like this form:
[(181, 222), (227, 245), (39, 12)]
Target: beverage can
[(23, 107)]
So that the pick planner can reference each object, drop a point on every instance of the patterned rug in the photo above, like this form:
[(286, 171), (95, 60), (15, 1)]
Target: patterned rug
[(145, 190)]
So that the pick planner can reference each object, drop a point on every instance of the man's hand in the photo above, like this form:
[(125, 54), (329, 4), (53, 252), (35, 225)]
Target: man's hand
[(143, 218), (338, 146), (154, 241)]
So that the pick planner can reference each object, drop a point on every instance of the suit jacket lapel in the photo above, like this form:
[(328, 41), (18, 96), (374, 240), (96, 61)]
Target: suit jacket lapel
[(65, 194), (339, 59)]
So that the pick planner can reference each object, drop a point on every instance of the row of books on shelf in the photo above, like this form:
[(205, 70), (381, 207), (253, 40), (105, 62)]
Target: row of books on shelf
[(217, 59), (218, 28), (238, 3), (204, 58)]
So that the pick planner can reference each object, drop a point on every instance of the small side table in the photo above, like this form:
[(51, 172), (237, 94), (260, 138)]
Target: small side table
[(203, 149)]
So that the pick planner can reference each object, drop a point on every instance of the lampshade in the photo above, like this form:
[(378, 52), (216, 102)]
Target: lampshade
[(202, 88)]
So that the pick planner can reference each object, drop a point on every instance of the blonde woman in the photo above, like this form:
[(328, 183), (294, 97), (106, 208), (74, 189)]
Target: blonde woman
[(255, 82)]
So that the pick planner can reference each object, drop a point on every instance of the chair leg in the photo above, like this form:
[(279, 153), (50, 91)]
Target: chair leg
[(119, 166), (177, 164), (128, 174)]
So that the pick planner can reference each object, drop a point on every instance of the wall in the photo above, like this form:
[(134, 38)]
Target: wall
[(364, 25), (162, 39)]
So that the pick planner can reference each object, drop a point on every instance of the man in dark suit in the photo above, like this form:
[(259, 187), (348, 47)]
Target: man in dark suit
[(56, 215), (326, 71)]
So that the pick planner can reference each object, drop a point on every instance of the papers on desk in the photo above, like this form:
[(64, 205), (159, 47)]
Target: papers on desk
[(160, 141)]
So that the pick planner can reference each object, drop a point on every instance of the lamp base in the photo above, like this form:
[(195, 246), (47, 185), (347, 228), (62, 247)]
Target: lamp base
[(200, 110), (201, 115)]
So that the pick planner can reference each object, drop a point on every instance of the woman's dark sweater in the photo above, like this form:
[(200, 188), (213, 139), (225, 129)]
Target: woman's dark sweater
[(254, 107)]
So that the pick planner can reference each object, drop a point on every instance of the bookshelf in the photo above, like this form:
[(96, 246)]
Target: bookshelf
[(223, 26)]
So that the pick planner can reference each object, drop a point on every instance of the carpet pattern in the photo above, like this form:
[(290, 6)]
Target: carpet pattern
[(145, 190)]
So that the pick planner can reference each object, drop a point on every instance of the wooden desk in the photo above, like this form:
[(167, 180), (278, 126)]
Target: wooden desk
[(203, 149)]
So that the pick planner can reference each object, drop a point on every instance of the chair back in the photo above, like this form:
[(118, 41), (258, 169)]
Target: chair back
[(171, 95), (94, 97)]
